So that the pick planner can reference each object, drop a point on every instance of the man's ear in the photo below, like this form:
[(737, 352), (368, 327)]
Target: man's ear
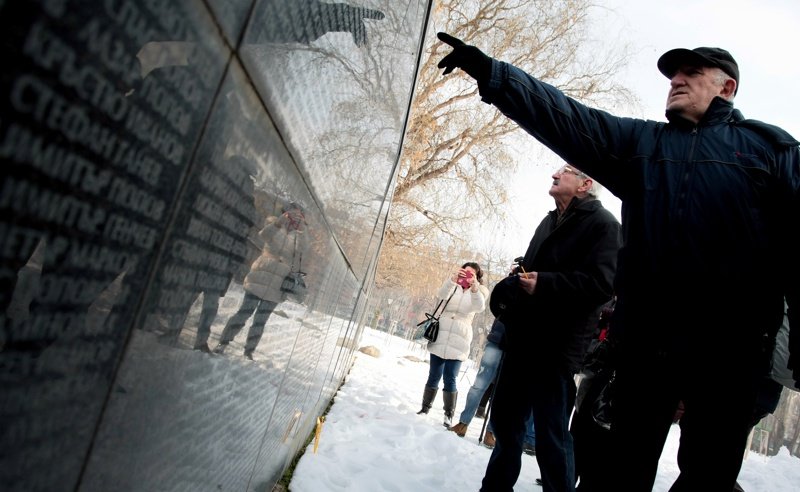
[(586, 186), (728, 89)]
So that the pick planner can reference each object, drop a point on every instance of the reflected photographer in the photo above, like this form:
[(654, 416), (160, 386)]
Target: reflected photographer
[(284, 244)]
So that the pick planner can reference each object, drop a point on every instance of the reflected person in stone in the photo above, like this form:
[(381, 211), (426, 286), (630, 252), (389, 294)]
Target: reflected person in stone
[(239, 170), (304, 21), (285, 244), (206, 246)]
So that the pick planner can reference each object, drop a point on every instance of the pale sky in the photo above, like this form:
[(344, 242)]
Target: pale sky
[(762, 36)]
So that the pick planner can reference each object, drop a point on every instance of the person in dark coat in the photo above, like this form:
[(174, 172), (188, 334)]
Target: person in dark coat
[(481, 388), (710, 206), (561, 284), (590, 433)]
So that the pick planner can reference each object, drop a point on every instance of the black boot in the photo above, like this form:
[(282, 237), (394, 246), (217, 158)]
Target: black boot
[(427, 399), (450, 398)]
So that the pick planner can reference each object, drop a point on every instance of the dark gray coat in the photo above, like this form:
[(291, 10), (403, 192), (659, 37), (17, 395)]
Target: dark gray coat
[(576, 259)]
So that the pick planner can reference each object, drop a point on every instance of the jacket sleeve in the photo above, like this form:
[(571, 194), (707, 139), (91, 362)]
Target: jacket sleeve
[(478, 299), (262, 238), (275, 238), (447, 288), (589, 138), (593, 282), (790, 165)]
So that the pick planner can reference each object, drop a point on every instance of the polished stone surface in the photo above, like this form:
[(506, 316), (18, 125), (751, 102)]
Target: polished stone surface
[(166, 165)]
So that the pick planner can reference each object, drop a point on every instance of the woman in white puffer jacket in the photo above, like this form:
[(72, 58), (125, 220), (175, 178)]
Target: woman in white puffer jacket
[(285, 244), (464, 295)]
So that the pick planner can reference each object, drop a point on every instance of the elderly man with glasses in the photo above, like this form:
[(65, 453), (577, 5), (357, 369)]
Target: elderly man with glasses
[(550, 305)]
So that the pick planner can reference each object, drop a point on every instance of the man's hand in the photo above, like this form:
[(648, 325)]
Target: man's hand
[(527, 281), (466, 57)]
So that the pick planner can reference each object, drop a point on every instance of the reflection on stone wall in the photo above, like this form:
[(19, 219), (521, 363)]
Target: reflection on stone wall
[(167, 166)]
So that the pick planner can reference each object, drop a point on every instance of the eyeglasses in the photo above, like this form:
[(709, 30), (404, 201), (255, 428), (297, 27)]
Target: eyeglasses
[(569, 170)]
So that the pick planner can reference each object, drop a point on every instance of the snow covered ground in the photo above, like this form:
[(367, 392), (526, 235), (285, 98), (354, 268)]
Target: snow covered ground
[(372, 439)]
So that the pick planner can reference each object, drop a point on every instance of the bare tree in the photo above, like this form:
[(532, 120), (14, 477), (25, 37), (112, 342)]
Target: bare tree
[(456, 159), (455, 163)]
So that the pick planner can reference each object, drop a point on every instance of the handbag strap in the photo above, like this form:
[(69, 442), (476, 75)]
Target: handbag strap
[(445, 304), (294, 255), (300, 255)]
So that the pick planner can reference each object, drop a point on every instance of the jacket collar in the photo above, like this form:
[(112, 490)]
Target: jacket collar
[(719, 111), (583, 204)]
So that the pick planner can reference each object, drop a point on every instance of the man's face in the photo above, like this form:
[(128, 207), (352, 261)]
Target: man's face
[(691, 91), (566, 182)]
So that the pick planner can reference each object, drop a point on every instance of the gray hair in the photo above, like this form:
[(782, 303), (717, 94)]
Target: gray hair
[(596, 187), (720, 77)]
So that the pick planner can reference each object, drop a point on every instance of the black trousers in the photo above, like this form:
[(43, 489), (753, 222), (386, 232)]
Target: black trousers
[(591, 442), (718, 396)]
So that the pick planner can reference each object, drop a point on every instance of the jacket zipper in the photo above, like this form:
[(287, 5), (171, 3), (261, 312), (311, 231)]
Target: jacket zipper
[(685, 181)]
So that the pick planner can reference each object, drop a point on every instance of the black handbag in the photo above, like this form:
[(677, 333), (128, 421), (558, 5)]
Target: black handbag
[(596, 391), (294, 286), (430, 328), (430, 325)]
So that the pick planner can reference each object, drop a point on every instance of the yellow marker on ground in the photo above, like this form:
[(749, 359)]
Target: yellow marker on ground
[(320, 421)]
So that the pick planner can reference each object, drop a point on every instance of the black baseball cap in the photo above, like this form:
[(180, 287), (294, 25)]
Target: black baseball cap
[(672, 60)]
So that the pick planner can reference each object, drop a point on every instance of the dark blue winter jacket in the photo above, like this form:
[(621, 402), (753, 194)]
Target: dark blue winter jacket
[(709, 214)]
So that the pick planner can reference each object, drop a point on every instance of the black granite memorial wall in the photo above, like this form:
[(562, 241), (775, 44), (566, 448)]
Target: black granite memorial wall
[(166, 165)]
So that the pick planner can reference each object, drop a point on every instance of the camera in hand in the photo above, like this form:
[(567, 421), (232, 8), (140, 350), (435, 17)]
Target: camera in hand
[(464, 281)]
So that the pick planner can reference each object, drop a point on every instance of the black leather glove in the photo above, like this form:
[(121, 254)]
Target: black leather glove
[(466, 57)]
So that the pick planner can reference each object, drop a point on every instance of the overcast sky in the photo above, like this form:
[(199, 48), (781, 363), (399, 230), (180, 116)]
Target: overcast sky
[(763, 36)]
